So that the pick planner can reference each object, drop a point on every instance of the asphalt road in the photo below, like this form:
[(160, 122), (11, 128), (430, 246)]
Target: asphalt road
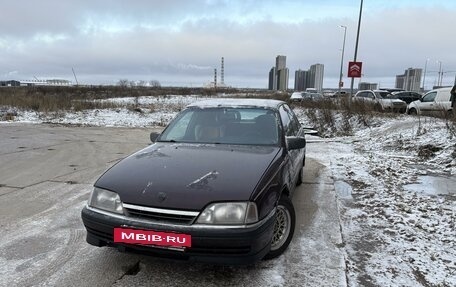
[(46, 174)]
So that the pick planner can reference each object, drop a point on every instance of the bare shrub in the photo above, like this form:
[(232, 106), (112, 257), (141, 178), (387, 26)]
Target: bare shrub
[(346, 127), (450, 122), (311, 114), (428, 151)]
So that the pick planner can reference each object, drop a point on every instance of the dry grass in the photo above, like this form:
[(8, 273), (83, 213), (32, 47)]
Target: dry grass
[(450, 121), (52, 99), (336, 117)]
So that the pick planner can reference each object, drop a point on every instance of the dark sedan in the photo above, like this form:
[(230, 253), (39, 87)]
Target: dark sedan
[(215, 186), (406, 96)]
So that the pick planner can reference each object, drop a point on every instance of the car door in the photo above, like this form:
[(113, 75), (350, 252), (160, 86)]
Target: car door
[(292, 128), (442, 102), (427, 103), (370, 98)]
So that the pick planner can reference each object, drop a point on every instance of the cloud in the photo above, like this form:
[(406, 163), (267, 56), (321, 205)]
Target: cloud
[(183, 41)]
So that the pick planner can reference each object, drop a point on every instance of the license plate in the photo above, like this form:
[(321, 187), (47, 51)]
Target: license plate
[(150, 237)]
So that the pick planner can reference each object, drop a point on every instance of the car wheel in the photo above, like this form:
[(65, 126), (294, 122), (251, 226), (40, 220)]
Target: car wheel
[(283, 227), (413, 112)]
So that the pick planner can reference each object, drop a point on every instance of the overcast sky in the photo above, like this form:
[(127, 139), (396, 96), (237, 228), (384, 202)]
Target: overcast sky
[(180, 42)]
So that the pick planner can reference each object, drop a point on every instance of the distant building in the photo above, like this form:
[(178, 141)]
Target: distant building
[(313, 78), (278, 75), (300, 83), (410, 80), (281, 62), (50, 82), (316, 73), (10, 83), (367, 86), (282, 79), (272, 79)]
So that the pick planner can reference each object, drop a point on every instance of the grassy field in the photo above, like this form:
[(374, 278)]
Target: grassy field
[(52, 99)]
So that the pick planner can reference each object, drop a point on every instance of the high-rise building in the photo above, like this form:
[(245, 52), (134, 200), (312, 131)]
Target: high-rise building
[(300, 83), (316, 73), (410, 80), (272, 79), (313, 78), (282, 77), (367, 86), (281, 62), (278, 75)]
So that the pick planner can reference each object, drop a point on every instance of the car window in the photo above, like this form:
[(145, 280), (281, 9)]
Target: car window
[(180, 126), (224, 125), (289, 121), (395, 96), (284, 118), (382, 95), (361, 95), (367, 95), (429, 97)]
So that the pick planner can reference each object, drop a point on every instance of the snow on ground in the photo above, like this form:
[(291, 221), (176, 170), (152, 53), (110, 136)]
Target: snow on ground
[(398, 226), (395, 235)]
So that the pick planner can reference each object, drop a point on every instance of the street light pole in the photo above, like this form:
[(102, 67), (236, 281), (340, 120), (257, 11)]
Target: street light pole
[(356, 52), (439, 81), (342, 58), (424, 75)]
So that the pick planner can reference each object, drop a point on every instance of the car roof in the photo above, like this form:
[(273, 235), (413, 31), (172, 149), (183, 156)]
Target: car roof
[(231, 102), (402, 92), (442, 89)]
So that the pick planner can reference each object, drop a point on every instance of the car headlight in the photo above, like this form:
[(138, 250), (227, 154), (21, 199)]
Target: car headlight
[(229, 213), (106, 200)]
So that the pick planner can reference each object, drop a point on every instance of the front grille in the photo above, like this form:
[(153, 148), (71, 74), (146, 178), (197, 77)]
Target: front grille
[(160, 215)]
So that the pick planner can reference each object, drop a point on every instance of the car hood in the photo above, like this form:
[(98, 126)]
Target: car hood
[(188, 176)]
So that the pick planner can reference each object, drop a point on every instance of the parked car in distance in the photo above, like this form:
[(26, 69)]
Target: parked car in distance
[(380, 99), (436, 102), (339, 95), (296, 96), (314, 96), (305, 96), (311, 90), (215, 186), (406, 96)]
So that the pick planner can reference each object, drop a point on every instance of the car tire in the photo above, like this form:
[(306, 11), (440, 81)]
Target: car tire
[(283, 228), (413, 112)]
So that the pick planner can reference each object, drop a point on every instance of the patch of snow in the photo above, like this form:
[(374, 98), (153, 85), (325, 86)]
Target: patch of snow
[(394, 235)]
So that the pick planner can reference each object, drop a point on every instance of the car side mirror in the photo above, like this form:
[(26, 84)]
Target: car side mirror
[(296, 143), (154, 136)]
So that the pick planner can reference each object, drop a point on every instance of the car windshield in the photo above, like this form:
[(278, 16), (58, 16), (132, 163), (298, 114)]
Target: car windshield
[(383, 95), (251, 126), (393, 96)]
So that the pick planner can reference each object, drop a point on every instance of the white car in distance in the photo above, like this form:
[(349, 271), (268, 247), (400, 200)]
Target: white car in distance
[(380, 99), (434, 103)]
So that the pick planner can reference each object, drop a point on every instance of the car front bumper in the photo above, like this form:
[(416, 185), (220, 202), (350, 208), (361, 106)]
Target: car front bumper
[(215, 244)]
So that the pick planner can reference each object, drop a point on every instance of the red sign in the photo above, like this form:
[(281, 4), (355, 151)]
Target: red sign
[(354, 69), (150, 237)]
